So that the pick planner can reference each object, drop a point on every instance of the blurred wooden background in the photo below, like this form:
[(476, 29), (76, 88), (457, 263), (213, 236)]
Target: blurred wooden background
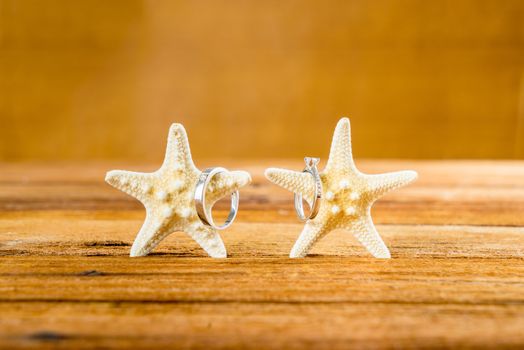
[(104, 79)]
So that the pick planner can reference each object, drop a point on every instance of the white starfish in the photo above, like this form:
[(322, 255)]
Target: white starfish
[(167, 195), (348, 196)]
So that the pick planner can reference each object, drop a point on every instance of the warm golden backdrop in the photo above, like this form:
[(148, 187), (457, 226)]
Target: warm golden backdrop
[(104, 79)]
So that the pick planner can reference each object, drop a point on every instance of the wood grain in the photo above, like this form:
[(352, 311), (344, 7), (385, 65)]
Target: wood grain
[(456, 278)]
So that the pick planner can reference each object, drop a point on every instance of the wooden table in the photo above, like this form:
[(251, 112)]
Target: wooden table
[(456, 278)]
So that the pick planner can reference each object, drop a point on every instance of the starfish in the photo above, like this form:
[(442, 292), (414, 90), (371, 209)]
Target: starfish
[(347, 198), (167, 195)]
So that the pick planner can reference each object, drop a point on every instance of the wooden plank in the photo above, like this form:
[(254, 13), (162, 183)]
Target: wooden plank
[(474, 192), (456, 278), (107, 233), (257, 303), (260, 326), (321, 279)]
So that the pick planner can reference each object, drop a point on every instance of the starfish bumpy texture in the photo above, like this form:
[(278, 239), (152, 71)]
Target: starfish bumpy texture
[(347, 198), (167, 195)]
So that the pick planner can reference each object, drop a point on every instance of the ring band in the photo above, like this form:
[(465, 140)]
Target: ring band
[(200, 199), (311, 168)]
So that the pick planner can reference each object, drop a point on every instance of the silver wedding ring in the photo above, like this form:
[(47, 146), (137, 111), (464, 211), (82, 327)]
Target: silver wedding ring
[(200, 200), (311, 168)]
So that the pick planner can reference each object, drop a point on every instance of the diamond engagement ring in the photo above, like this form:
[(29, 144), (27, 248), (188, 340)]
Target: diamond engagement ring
[(311, 168)]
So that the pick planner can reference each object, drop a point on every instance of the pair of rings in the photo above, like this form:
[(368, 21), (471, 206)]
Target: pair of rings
[(207, 218)]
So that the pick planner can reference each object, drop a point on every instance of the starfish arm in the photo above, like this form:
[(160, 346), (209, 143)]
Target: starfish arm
[(223, 184), (294, 181), (311, 233), (365, 232), (378, 185), (208, 238), (340, 156), (134, 184), (153, 231), (178, 153)]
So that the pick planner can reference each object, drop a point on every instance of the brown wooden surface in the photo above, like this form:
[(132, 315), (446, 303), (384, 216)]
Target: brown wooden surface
[(98, 79), (456, 278)]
